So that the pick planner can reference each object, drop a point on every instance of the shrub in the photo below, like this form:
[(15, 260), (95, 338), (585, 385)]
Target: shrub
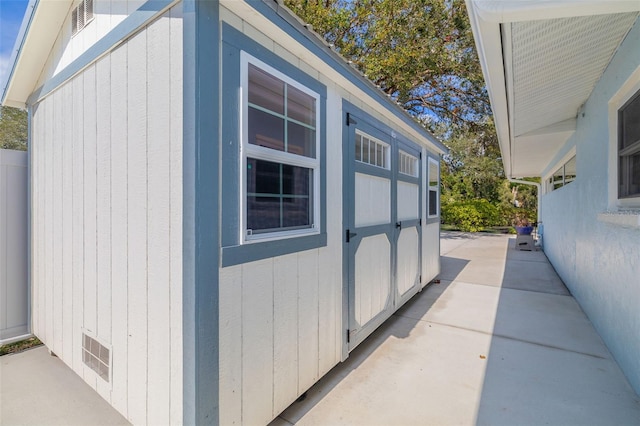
[(472, 215)]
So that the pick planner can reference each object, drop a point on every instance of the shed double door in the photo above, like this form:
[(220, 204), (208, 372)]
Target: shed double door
[(382, 199)]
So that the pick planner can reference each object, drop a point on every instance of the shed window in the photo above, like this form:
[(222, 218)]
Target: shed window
[(629, 148), (434, 185), (280, 154), (371, 151), (81, 15), (407, 164)]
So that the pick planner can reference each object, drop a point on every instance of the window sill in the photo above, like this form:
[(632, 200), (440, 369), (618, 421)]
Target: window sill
[(623, 218), (235, 255)]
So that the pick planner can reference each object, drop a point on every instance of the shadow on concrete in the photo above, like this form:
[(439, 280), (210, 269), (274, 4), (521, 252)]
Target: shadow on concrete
[(546, 363), (499, 341), (419, 305)]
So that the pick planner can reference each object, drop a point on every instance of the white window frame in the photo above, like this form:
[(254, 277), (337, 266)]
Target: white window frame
[(405, 156), (628, 89), (248, 150), (549, 183), (385, 146), (433, 163)]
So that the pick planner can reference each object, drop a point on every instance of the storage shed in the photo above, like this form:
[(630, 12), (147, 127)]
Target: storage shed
[(222, 207)]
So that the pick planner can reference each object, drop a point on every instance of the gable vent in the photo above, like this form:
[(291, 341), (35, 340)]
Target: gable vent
[(96, 356), (81, 15)]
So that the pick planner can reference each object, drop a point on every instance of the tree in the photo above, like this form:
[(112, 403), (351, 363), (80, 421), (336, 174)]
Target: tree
[(422, 54), (419, 52), (13, 128)]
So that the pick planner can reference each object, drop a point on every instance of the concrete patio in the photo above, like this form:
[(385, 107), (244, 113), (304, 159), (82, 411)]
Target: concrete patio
[(498, 341)]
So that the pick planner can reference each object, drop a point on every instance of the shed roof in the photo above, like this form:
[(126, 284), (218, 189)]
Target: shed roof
[(44, 18), (541, 61), (37, 35)]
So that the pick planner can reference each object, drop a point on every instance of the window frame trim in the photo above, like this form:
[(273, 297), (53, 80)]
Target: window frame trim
[(547, 181), (632, 149), (248, 150), (431, 160), (415, 160), (625, 93), (385, 145)]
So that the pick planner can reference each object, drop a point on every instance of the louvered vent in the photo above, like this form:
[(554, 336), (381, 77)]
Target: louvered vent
[(96, 356), (88, 10), (81, 16)]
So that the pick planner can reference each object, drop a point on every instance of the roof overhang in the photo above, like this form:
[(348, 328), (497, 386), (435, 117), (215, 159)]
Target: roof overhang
[(38, 33), (541, 60)]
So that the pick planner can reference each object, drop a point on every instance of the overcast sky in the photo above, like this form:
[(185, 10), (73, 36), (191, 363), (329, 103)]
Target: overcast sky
[(11, 13)]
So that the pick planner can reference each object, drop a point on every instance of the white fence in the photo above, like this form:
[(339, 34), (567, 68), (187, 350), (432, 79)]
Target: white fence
[(14, 285)]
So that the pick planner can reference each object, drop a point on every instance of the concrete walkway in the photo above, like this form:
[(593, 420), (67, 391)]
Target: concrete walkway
[(39, 389), (499, 341)]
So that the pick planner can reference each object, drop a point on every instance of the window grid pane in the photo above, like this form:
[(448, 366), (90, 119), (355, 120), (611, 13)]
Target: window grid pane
[(358, 147), (281, 117), (629, 148), (279, 196), (407, 164), (371, 152)]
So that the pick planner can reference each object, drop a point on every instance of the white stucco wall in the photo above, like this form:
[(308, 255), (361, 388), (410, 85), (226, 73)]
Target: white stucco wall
[(599, 262)]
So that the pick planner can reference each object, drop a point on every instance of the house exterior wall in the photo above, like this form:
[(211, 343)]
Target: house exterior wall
[(598, 261), (14, 286), (107, 220), (281, 318)]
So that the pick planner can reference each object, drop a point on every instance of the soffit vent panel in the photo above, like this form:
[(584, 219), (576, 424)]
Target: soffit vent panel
[(557, 62)]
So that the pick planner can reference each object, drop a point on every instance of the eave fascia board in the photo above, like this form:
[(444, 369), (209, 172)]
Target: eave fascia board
[(15, 53), (488, 40), (533, 10), (39, 30)]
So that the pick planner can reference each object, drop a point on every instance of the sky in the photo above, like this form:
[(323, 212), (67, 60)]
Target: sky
[(11, 13)]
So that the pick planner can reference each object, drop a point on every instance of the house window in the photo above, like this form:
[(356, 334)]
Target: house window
[(280, 154), (434, 174), (371, 151), (81, 15), (407, 164), (563, 176), (629, 148)]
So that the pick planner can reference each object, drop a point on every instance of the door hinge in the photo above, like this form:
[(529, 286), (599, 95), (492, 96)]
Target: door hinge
[(420, 279), (420, 221), (421, 156), (348, 336), (349, 235), (350, 119)]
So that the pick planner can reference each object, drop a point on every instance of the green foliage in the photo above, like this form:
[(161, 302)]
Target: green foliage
[(20, 346), (13, 128), (422, 54), (419, 52), (471, 215)]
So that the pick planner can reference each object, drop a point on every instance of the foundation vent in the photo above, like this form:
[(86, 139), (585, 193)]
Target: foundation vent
[(96, 356)]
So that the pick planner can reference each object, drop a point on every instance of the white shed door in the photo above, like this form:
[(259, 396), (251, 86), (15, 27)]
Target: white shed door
[(382, 235)]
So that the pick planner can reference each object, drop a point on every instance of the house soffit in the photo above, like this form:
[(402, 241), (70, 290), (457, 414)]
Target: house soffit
[(556, 63)]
